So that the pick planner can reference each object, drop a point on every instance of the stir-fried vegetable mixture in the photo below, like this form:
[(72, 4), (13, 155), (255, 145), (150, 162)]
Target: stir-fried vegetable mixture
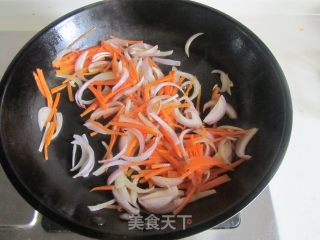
[(159, 154)]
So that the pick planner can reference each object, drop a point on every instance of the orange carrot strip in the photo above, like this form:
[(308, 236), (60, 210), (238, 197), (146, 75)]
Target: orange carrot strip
[(186, 200), (115, 65), (102, 188), (44, 86), (91, 108), (214, 183), (137, 110), (142, 128), (58, 88), (157, 172), (70, 94), (160, 165), (54, 108), (48, 139), (217, 172), (98, 95), (39, 84)]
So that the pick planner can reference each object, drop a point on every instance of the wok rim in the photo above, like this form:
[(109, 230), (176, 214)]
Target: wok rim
[(231, 211)]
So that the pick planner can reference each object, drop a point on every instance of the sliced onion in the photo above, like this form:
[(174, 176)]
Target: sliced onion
[(59, 125), (157, 73), (134, 187), (226, 83), (181, 145), (117, 156), (207, 141), (165, 61), (140, 138), (123, 79), (193, 79), (167, 128), (155, 204), (243, 142), (101, 205), (107, 112), (231, 127), (164, 53), (146, 53), (231, 112), (134, 88), (113, 176), (217, 112), (86, 162), (161, 85), (128, 106), (90, 125), (203, 195), (95, 66), (210, 104), (126, 54), (161, 192), (101, 77), (43, 114), (60, 55), (117, 42), (189, 41), (134, 194), (170, 99), (152, 107), (225, 150), (166, 182), (122, 196), (80, 61), (44, 137), (193, 122), (124, 202), (144, 155), (148, 123), (146, 71), (101, 55)]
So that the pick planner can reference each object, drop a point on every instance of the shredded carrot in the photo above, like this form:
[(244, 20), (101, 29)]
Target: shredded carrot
[(113, 111), (54, 108), (186, 200), (102, 188), (58, 88), (44, 86), (70, 94)]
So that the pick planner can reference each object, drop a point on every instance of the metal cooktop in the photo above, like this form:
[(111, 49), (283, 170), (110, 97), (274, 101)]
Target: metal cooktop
[(18, 220)]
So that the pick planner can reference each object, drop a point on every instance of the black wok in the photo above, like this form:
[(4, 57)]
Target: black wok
[(260, 96)]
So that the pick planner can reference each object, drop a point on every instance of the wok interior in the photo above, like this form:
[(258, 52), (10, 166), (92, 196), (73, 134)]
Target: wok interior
[(257, 97)]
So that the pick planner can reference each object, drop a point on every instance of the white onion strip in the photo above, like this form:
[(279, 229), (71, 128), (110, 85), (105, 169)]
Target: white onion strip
[(123, 79), (144, 155), (80, 61), (226, 82), (101, 205), (166, 127), (231, 112), (43, 114), (243, 142), (44, 137), (102, 77), (189, 41), (86, 162), (169, 62), (59, 125), (217, 112), (166, 182)]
